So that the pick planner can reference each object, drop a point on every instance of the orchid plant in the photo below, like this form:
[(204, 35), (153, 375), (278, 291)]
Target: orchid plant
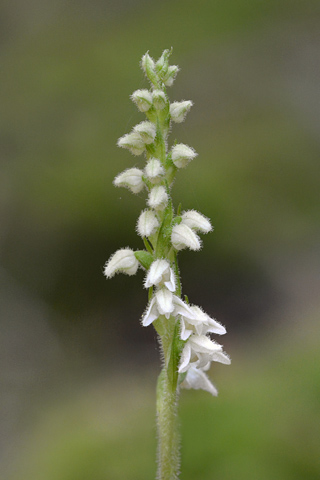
[(183, 329)]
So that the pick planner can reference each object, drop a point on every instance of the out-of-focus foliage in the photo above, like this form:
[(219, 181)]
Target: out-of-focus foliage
[(252, 70), (264, 424)]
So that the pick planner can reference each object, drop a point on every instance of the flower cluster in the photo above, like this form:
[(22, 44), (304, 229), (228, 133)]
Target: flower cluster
[(165, 231)]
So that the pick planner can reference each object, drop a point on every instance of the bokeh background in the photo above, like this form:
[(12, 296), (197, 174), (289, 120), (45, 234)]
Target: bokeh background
[(78, 372)]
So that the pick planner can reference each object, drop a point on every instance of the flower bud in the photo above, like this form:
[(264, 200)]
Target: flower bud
[(123, 261), (179, 110), (154, 170), (133, 142), (147, 223), (182, 155), (143, 99), (158, 197), (159, 99), (131, 179), (196, 221), (183, 237), (148, 65), (170, 76), (147, 131)]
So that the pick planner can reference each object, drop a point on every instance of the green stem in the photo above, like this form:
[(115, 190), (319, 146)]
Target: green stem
[(167, 404)]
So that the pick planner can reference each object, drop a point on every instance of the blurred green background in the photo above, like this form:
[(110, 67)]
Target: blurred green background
[(78, 372)]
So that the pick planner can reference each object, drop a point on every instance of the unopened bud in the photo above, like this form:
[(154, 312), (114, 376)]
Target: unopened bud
[(148, 65), (179, 110), (133, 142), (154, 170), (170, 75), (196, 221), (183, 237), (147, 223), (143, 99), (147, 131), (182, 155), (158, 197), (159, 99), (123, 261), (131, 179)]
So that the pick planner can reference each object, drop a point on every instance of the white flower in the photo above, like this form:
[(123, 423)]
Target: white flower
[(143, 99), (147, 223), (170, 75), (199, 351), (181, 155), (160, 273), (179, 110), (200, 325), (196, 221), (154, 170), (131, 179), (123, 261), (133, 142), (197, 379), (158, 197), (183, 237), (147, 63), (159, 99), (165, 303), (146, 130)]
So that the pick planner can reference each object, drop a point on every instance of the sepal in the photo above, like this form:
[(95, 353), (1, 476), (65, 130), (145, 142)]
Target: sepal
[(143, 99), (144, 258), (181, 155), (131, 179)]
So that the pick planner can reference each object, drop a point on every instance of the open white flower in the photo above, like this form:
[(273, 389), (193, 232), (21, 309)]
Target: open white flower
[(182, 154), (133, 142), (199, 351), (200, 325), (196, 221), (147, 223), (159, 274), (183, 237), (123, 261), (131, 179), (197, 379), (165, 303)]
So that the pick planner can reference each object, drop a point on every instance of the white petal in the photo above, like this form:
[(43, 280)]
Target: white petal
[(185, 358), (221, 357), (154, 169), (171, 284), (122, 260), (147, 131), (196, 221), (182, 154), (182, 308), (151, 314), (131, 179), (197, 379), (132, 141), (203, 344), (165, 302), (158, 197), (183, 237), (179, 110), (147, 223), (143, 99), (157, 269)]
